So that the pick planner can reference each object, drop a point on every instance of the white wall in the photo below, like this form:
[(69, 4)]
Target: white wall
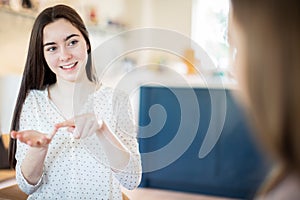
[(170, 14), (15, 29), (14, 39), (15, 32), (9, 87)]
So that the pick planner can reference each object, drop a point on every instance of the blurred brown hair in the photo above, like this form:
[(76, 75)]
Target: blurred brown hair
[(272, 70)]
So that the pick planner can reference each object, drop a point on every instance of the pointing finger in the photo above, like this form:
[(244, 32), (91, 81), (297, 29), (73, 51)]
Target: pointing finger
[(51, 135), (67, 123)]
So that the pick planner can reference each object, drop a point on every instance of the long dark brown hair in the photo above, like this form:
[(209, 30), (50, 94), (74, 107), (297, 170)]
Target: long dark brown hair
[(271, 31), (37, 74)]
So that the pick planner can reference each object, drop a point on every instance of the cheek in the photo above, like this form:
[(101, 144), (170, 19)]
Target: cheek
[(82, 53), (240, 59), (240, 68), (51, 61), (242, 76)]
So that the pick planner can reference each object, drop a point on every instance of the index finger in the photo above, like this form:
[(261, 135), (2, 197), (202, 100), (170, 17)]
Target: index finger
[(67, 123), (51, 135)]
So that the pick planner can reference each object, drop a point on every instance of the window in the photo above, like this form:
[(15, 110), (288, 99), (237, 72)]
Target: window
[(209, 29)]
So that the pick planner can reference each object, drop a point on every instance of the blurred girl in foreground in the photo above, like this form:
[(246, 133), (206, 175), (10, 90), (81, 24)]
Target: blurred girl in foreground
[(265, 38)]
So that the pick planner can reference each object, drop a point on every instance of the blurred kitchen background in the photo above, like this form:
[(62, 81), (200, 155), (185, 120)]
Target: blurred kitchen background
[(205, 22)]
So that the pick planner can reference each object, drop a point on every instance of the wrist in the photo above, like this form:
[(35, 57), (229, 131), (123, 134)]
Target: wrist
[(39, 151)]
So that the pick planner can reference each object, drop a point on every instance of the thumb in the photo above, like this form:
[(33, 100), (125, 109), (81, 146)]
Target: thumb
[(76, 133), (71, 129), (100, 123)]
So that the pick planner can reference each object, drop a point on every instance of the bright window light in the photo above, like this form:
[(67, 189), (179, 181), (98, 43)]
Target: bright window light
[(209, 29)]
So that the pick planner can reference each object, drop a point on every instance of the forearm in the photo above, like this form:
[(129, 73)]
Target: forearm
[(124, 162), (117, 154), (33, 163)]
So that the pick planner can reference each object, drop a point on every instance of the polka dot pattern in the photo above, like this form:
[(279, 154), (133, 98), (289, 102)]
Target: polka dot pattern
[(79, 169)]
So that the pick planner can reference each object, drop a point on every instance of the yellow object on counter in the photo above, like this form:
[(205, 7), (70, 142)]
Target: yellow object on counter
[(189, 61)]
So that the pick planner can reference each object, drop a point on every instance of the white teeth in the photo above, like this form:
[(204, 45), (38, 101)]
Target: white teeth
[(68, 66)]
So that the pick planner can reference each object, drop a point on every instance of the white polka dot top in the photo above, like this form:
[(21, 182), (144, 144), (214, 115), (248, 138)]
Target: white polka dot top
[(78, 168)]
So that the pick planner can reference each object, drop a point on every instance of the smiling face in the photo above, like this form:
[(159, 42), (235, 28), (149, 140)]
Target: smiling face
[(65, 50)]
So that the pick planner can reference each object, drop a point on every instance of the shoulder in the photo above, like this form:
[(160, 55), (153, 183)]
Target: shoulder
[(36, 93), (112, 94), (31, 109), (111, 99), (34, 97)]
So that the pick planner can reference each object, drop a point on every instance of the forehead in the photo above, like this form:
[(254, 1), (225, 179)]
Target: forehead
[(59, 30)]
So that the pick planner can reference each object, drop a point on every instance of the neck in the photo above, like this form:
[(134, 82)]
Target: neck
[(61, 94), (70, 95), (64, 89)]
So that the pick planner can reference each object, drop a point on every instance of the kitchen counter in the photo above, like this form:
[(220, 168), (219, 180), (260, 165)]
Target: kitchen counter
[(14, 193)]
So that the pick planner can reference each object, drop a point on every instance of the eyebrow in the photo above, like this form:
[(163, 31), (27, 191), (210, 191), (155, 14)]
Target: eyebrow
[(67, 38)]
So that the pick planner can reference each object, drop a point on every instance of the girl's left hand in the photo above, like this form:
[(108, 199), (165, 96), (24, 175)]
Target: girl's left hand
[(82, 126)]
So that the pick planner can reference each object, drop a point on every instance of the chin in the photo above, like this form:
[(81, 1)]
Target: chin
[(70, 79)]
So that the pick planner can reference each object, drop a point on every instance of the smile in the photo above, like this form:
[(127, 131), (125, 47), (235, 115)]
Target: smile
[(69, 67)]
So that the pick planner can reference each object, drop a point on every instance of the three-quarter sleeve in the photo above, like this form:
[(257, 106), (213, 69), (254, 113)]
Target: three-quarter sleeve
[(126, 131), (26, 122), (115, 109)]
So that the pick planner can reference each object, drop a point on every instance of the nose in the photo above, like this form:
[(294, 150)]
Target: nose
[(64, 54)]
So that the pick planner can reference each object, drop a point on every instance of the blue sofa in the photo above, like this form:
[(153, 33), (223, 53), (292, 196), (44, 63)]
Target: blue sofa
[(173, 123)]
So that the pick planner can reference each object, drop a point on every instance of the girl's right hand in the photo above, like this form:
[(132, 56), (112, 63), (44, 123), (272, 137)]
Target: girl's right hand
[(33, 138)]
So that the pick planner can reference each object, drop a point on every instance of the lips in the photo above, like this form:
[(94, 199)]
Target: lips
[(69, 66)]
